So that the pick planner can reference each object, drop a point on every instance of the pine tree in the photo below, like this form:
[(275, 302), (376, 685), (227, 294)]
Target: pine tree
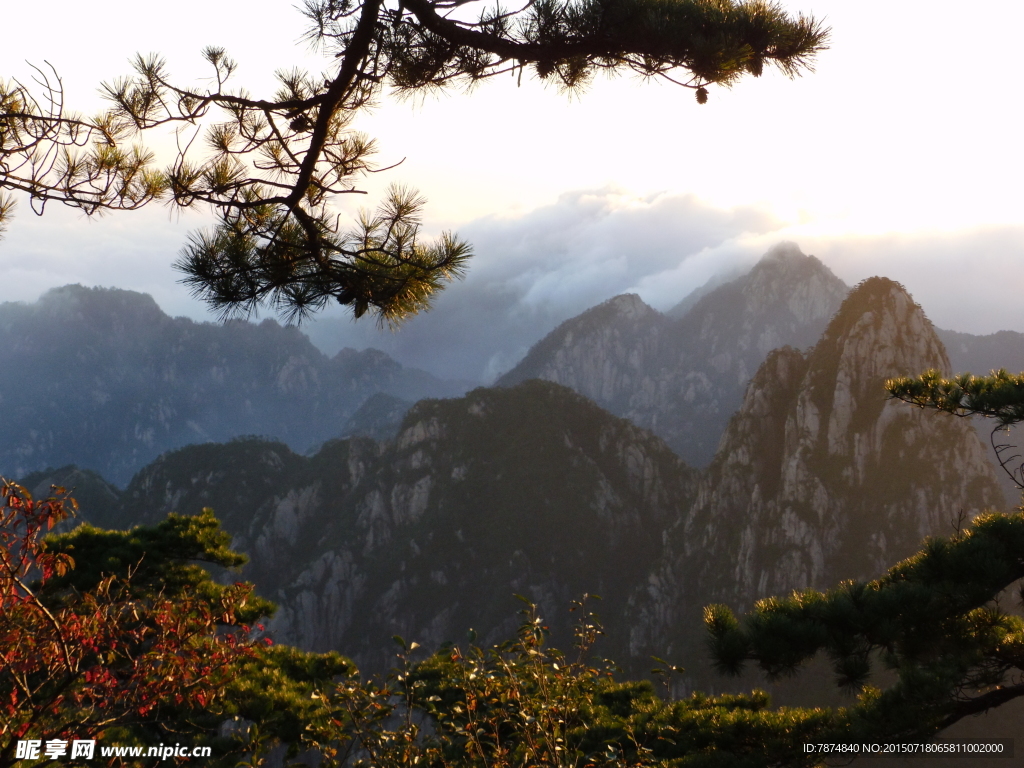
[(75, 663), (934, 620), (998, 396), (271, 167)]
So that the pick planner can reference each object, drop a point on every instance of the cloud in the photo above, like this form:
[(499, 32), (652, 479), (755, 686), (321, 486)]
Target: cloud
[(533, 271), (970, 280), (536, 270)]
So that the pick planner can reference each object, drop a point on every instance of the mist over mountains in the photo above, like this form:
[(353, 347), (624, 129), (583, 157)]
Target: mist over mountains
[(104, 379), (124, 382), (425, 519), (537, 270), (682, 378), (682, 374)]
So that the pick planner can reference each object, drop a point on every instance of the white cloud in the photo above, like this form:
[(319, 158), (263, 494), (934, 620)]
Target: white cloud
[(537, 269), (134, 251), (533, 271), (969, 280)]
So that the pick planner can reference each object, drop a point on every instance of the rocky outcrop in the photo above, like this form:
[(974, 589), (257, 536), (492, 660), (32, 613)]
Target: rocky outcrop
[(820, 477), (606, 354), (531, 490), (683, 377), (102, 378)]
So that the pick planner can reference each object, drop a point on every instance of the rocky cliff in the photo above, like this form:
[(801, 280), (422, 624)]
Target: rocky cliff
[(820, 477), (535, 490), (531, 490), (104, 379), (683, 377)]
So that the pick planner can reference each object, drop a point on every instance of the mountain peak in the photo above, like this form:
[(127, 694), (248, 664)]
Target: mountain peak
[(79, 303), (798, 284), (879, 332), (820, 475), (575, 353), (682, 377), (786, 251), (131, 382), (882, 332), (787, 259), (628, 305)]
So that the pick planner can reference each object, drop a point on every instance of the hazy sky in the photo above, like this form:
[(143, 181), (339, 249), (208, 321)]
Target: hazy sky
[(899, 156)]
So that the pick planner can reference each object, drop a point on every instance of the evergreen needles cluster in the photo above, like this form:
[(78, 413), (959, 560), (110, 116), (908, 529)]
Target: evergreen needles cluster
[(933, 620), (273, 170)]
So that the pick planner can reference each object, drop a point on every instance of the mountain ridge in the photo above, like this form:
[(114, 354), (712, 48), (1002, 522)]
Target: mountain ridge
[(683, 378), (103, 378), (819, 477), (536, 490), (530, 490)]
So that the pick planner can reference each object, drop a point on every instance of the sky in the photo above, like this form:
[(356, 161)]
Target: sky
[(900, 155)]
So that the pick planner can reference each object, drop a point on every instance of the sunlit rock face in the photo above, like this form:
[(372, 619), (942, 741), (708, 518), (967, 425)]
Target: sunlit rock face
[(683, 377), (819, 476), (607, 354)]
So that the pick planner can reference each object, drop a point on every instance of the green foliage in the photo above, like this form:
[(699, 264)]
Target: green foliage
[(101, 657), (268, 689), (933, 620), (269, 702), (712, 42), (265, 257), (154, 560), (268, 693), (134, 597), (522, 703), (999, 395), (6, 211)]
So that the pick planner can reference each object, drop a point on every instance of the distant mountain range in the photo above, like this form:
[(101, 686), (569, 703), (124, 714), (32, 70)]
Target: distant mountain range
[(683, 377), (104, 379), (981, 354), (533, 489), (682, 374)]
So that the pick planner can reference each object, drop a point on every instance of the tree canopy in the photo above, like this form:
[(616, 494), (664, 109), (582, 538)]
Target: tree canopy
[(272, 167), (87, 655), (123, 636), (999, 395), (924, 646), (933, 619)]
